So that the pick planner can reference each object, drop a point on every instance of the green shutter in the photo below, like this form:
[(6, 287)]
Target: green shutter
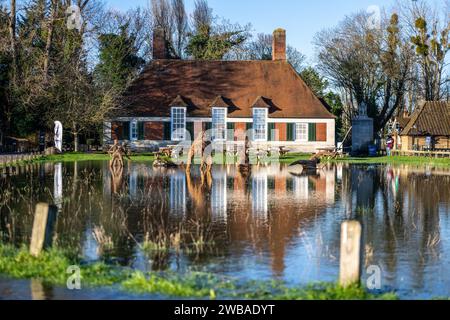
[(208, 126), (271, 132), (141, 133), (312, 132), (230, 131), (167, 133), (248, 127), (290, 132), (190, 129), (126, 131)]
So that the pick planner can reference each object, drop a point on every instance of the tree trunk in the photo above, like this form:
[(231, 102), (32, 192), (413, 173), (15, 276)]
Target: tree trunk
[(75, 137), (12, 35), (48, 44)]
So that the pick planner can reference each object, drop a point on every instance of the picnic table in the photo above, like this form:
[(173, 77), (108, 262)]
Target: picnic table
[(283, 150), (165, 152)]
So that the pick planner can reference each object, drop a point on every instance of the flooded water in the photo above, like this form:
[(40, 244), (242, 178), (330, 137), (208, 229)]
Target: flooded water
[(270, 225)]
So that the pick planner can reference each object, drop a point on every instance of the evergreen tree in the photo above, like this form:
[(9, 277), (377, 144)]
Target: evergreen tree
[(119, 59)]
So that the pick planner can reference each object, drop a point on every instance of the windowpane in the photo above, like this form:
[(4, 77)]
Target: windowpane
[(178, 124), (301, 131), (134, 130), (260, 124), (219, 123)]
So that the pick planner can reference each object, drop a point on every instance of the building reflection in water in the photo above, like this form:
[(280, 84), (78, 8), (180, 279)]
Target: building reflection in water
[(177, 192), (259, 192), (269, 212), (219, 193), (271, 221), (243, 203)]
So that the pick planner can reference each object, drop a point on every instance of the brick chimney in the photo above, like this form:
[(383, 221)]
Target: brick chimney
[(279, 45), (159, 44)]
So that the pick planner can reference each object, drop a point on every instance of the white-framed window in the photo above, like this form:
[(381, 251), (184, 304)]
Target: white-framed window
[(301, 132), (133, 130), (178, 123), (219, 124), (260, 124)]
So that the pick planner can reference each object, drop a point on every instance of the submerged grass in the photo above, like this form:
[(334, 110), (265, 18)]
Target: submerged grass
[(51, 267)]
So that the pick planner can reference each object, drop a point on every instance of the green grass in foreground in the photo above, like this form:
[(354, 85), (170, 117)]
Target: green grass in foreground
[(51, 267)]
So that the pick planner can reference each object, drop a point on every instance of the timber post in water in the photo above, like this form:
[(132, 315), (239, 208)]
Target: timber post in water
[(350, 259), (43, 225)]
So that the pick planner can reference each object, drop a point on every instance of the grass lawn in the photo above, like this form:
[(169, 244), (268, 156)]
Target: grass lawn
[(79, 156), (396, 160), (142, 157), (287, 159), (51, 267)]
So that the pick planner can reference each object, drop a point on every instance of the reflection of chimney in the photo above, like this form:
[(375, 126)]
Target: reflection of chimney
[(159, 44), (279, 45)]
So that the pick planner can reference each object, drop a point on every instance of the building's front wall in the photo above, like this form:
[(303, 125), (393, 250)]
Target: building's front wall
[(150, 133), (419, 142)]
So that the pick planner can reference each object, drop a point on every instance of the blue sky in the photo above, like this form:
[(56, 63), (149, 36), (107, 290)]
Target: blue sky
[(301, 18)]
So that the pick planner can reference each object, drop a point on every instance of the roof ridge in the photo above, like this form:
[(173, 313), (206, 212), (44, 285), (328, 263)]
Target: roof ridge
[(414, 118)]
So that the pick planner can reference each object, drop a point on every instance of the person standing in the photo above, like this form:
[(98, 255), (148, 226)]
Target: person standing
[(389, 145)]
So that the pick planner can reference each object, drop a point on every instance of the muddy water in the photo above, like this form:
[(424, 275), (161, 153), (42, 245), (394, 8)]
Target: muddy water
[(270, 225)]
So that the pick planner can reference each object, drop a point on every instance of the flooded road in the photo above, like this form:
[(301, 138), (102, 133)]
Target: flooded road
[(270, 225)]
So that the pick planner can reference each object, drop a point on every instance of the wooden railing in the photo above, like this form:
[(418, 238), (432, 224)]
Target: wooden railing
[(12, 159)]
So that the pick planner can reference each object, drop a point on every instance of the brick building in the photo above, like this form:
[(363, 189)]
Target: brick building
[(174, 100)]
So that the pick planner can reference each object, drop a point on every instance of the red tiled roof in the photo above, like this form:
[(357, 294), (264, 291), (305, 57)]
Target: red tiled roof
[(219, 102), (430, 118), (199, 83), (179, 101), (260, 102)]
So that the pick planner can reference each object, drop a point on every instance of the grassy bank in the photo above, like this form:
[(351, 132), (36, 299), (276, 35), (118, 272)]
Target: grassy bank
[(77, 156), (286, 159), (142, 157), (51, 266), (396, 160)]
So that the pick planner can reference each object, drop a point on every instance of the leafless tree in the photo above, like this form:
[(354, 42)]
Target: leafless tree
[(180, 20), (371, 65), (202, 17), (428, 28)]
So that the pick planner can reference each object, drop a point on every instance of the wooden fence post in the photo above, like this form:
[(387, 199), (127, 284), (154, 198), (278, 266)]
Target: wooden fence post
[(350, 259), (43, 225)]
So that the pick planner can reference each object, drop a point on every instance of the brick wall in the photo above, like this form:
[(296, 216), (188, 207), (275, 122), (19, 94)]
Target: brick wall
[(154, 131)]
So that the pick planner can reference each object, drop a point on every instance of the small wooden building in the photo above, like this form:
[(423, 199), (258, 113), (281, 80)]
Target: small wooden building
[(428, 128)]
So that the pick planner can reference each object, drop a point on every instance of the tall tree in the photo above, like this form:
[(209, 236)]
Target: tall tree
[(261, 49), (372, 66), (431, 49), (12, 35), (180, 19), (164, 20), (118, 59)]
